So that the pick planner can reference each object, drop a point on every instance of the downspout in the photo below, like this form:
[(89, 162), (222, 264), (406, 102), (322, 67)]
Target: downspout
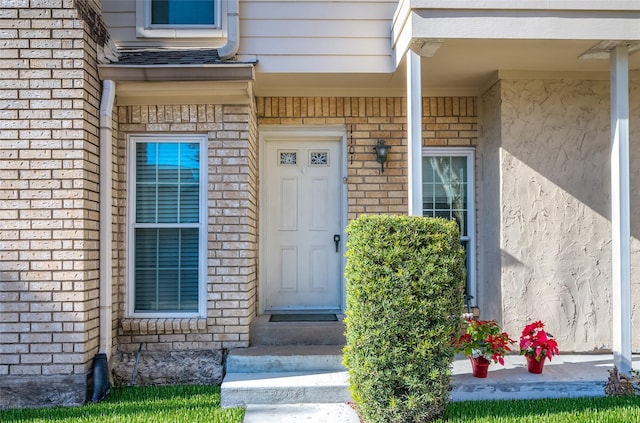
[(233, 31), (101, 375)]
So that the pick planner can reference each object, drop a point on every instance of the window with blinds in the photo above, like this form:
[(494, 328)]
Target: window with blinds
[(166, 225)]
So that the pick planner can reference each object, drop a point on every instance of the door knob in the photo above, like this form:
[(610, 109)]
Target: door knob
[(336, 239)]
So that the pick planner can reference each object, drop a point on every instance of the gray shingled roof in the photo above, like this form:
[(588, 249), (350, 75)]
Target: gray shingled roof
[(174, 64), (146, 56)]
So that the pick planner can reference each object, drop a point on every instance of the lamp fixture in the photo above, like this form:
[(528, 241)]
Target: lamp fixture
[(382, 150)]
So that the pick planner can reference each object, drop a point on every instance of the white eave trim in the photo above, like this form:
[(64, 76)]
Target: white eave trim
[(585, 5), (429, 23)]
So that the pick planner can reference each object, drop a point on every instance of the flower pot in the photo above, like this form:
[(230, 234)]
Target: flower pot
[(480, 366), (534, 365)]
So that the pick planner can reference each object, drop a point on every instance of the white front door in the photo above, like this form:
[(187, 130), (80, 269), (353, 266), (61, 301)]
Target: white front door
[(302, 225)]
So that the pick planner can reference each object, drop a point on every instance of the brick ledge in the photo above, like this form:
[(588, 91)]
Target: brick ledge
[(150, 326)]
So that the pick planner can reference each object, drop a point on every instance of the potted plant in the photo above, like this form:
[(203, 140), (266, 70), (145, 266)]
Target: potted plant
[(536, 345), (483, 341)]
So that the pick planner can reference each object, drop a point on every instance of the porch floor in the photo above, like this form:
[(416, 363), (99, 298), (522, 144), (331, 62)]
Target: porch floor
[(570, 375)]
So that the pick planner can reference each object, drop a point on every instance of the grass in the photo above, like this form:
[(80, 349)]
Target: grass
[(139, 404), (202, 404), (566, 410)]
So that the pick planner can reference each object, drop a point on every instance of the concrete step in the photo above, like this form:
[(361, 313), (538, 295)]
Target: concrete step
[(290, 358), (240, 389), (294, 374), (263, 332)]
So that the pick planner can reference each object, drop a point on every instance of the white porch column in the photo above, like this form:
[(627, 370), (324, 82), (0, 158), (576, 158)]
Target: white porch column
[(620, 209), (414, 133)]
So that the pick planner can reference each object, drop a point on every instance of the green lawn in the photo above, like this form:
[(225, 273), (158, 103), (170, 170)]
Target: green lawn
[(576, 410), (178, 404), (174, 404)]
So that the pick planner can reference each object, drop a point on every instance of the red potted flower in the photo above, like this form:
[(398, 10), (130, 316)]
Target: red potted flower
[(483, 341), (536, 345)]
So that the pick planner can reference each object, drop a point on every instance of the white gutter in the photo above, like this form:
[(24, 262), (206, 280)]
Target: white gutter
[(233, 31), (106, 217)]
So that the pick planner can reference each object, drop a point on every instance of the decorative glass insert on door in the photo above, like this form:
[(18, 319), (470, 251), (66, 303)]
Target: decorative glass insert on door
[(288, 158), (318, 158)]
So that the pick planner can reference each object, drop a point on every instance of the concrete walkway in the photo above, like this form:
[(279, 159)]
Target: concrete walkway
[(565, 376), (296, 413)]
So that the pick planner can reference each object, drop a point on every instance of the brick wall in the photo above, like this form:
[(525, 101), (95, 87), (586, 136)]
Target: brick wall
[(447, 121), (232, 226), (49, 171)]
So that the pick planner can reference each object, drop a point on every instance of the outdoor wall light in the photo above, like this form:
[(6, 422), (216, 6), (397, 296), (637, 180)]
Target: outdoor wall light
[(382, 150)]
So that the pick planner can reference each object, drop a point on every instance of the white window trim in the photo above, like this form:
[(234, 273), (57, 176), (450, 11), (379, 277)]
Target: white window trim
[(144, 28), (202, 227), (471, 212)]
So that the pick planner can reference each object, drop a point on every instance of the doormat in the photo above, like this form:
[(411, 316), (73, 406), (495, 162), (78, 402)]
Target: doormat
[(303, 317)]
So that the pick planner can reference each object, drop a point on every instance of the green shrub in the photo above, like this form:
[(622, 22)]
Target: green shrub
[(405, 278)]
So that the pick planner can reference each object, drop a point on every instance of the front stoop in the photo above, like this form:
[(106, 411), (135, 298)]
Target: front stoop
[(293, 374), (264, 332), (287, 363)]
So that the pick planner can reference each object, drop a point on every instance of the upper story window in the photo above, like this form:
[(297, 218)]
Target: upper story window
[(183, 12), (179, 18)]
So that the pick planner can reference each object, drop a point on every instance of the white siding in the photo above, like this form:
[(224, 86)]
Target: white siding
[(318, 36), (291, 36), (120, 16)]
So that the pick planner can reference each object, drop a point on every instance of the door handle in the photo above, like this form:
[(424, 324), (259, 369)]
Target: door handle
[(336, 239)]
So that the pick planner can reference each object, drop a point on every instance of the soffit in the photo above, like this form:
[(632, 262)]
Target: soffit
[(460, 67), (465, 43)]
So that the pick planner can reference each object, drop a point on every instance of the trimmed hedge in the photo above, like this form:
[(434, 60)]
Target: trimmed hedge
[(405, 278)]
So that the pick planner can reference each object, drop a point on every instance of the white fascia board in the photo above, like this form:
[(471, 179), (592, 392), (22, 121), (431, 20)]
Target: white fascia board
[(400, 43), (512, 19), (586, 5), (399, 25), (185, 92), (527, 25)]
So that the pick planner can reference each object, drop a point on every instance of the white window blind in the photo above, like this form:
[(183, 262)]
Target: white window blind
[(166, 229)]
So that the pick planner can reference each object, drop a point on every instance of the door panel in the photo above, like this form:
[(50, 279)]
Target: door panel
[(301, 215)]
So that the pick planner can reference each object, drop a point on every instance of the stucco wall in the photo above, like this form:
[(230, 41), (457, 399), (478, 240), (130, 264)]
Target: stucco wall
[(554, 219)]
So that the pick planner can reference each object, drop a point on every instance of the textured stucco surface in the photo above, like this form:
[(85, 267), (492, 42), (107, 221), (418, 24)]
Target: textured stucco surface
[(554, 209)]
